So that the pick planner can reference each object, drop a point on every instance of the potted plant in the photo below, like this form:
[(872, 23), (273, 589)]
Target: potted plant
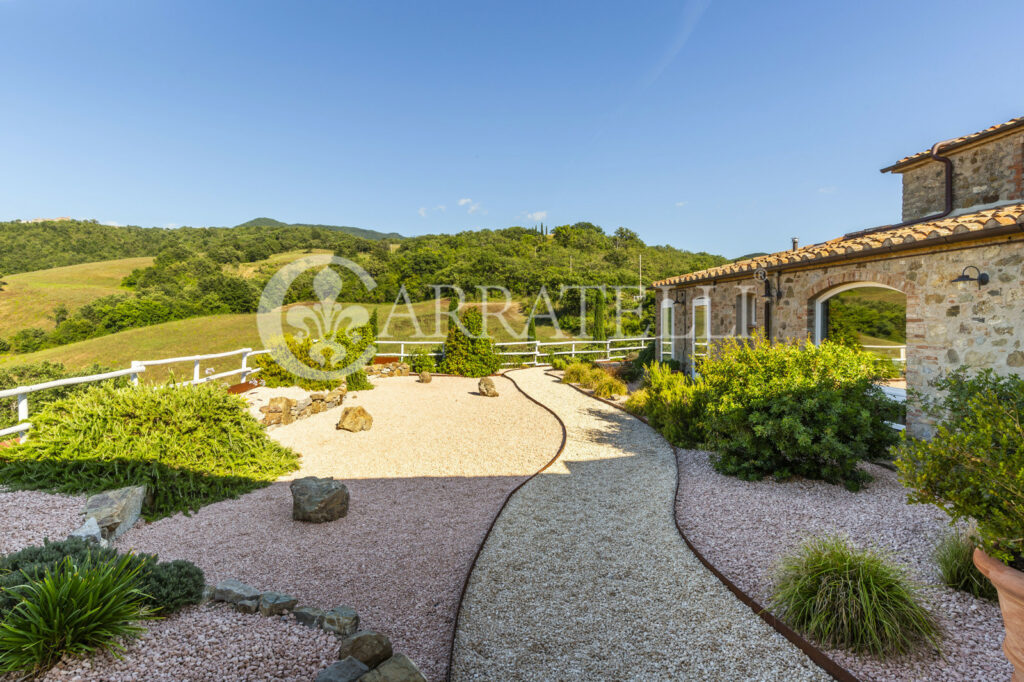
[(973, 468)]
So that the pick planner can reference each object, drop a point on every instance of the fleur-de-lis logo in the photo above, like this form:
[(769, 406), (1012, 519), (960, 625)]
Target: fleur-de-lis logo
[(323, 324)]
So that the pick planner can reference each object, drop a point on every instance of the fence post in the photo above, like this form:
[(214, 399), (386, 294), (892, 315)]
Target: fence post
[(135, 375), (536, 353), (245, 366), (608, 350), (573, 355), (401, 352), (903, 354), (22, 406), (195, 373)]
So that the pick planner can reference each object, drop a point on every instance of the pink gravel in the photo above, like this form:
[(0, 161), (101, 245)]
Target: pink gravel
[(744, 527), (28, 517), (425, 483)]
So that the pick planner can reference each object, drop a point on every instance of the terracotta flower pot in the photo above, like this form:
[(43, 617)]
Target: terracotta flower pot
[(1009, 583)]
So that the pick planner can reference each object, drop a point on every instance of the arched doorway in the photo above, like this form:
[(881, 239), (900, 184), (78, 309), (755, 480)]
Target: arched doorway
[(870, 315)]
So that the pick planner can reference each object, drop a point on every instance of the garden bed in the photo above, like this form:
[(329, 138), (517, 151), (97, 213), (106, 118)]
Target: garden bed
[(744, 527)]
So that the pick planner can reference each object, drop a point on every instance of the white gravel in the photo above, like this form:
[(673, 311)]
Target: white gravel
[(585, 576), (28, 517), (744, 527), (425, 482)]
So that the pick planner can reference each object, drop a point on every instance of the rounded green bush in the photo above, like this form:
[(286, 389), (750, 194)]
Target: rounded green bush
[(191, 445), (469, 354), (850, 598)]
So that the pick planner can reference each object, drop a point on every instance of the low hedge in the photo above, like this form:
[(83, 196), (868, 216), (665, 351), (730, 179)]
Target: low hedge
[(190, 445)]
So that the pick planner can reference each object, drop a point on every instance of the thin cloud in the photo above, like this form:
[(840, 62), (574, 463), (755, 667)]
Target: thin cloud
[(422, 211), (463, 202), (473, 209), (537, 215), (691, 15), (829, 189), (680, 204)]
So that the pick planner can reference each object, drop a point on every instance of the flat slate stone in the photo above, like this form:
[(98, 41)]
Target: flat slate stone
[(398, 668), (348, 670), (310, 616), (276, 604), (371, 648), (234, 591), (116, 511), (341, 620), (246, 606)]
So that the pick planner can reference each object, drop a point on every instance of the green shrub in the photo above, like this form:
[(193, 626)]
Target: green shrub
[(472, 354), (634, 369), (973, 467), (167, 587), (637, 402), (422, 360), (304, 352), (954, 556), (674, 404), (74, 610), (609, 386), (190, 445), (558, 362), (795, 409), (851, 599), (575, 372), (37, 373)]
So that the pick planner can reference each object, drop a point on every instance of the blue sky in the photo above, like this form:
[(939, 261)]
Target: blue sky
[(719, 126)]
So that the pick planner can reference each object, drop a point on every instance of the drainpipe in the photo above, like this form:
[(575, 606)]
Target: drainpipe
[(947, 208)]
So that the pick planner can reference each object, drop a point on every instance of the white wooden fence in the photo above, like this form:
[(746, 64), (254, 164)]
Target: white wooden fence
[(901, 352), (531, 349)]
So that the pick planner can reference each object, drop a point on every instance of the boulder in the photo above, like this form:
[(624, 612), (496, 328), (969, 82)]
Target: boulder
[(371, 648), (285, 407), (246, 606), (425, 377), (347, 670), (276, 604), (398, 668), (486, 387), (317, 397), (318, 500), (234, 591), (116, 511), (355, 419), (310, 616), (90, 532), (341, 620)]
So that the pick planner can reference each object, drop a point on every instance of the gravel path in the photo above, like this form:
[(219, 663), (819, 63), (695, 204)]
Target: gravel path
[(585, 576), (744, 527), (425, 482), (27, 517)]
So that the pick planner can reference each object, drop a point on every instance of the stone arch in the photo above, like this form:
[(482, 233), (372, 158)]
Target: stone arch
[(851, 279)]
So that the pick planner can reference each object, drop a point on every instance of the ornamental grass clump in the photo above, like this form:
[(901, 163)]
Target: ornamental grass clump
[(190, 445), (72, 610), (795, 409), (973, 467), (954, 557), (575, 372), (850, 598), (609, 386)]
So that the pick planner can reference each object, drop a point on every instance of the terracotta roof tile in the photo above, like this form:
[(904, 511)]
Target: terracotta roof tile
[(958, 142), (919, 234)]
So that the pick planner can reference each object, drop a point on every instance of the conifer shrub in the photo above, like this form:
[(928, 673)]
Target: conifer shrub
[(190, 445), (469, 353), (794, 409), (850, 598), (422, 360)]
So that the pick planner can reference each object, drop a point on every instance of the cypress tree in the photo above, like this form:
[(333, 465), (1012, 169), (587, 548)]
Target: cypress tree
[(599, 334)]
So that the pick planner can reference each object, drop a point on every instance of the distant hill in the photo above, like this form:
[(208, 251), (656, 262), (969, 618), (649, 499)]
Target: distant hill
[(749, 256), (355, 231)]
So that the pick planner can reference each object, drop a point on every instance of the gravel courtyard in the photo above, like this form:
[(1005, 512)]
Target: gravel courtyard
[(585, 576), (425, 483)]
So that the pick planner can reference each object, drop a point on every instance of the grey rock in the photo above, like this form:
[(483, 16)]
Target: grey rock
[(355, 419), (310, 616), (318, 500), (341, 620), (371, 648), (209, 593), (276, 604), (90, 532), (116, 511), (234, 591), (348, 670), (425, 377), (486, 387), (398, 668), (246, 606)]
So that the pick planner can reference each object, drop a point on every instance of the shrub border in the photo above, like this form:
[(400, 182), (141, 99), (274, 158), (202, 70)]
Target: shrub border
[(822, 659), (497, 514)]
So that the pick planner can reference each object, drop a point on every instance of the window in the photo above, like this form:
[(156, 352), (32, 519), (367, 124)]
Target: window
[(701, 327), (668, 330), (746, 313)]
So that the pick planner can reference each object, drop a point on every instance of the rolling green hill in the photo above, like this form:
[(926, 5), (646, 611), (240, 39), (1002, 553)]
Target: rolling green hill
[(354, 231)]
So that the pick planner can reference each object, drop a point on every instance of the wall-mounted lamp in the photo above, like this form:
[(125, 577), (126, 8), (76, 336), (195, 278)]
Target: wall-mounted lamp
[(981, 279), (679, 296), (770, 292)]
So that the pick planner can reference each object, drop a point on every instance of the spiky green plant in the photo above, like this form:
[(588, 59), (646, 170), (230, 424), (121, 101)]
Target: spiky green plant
[(954, 556), (851, 598), (73, 610)]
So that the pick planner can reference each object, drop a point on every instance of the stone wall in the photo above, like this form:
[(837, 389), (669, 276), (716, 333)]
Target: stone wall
[(948, 324), (983, 174)]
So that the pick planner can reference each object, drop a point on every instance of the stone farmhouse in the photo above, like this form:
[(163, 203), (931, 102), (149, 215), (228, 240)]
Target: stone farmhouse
[(958, 256)]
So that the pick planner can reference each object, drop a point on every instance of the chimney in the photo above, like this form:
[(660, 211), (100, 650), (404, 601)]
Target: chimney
[(796, 243)]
